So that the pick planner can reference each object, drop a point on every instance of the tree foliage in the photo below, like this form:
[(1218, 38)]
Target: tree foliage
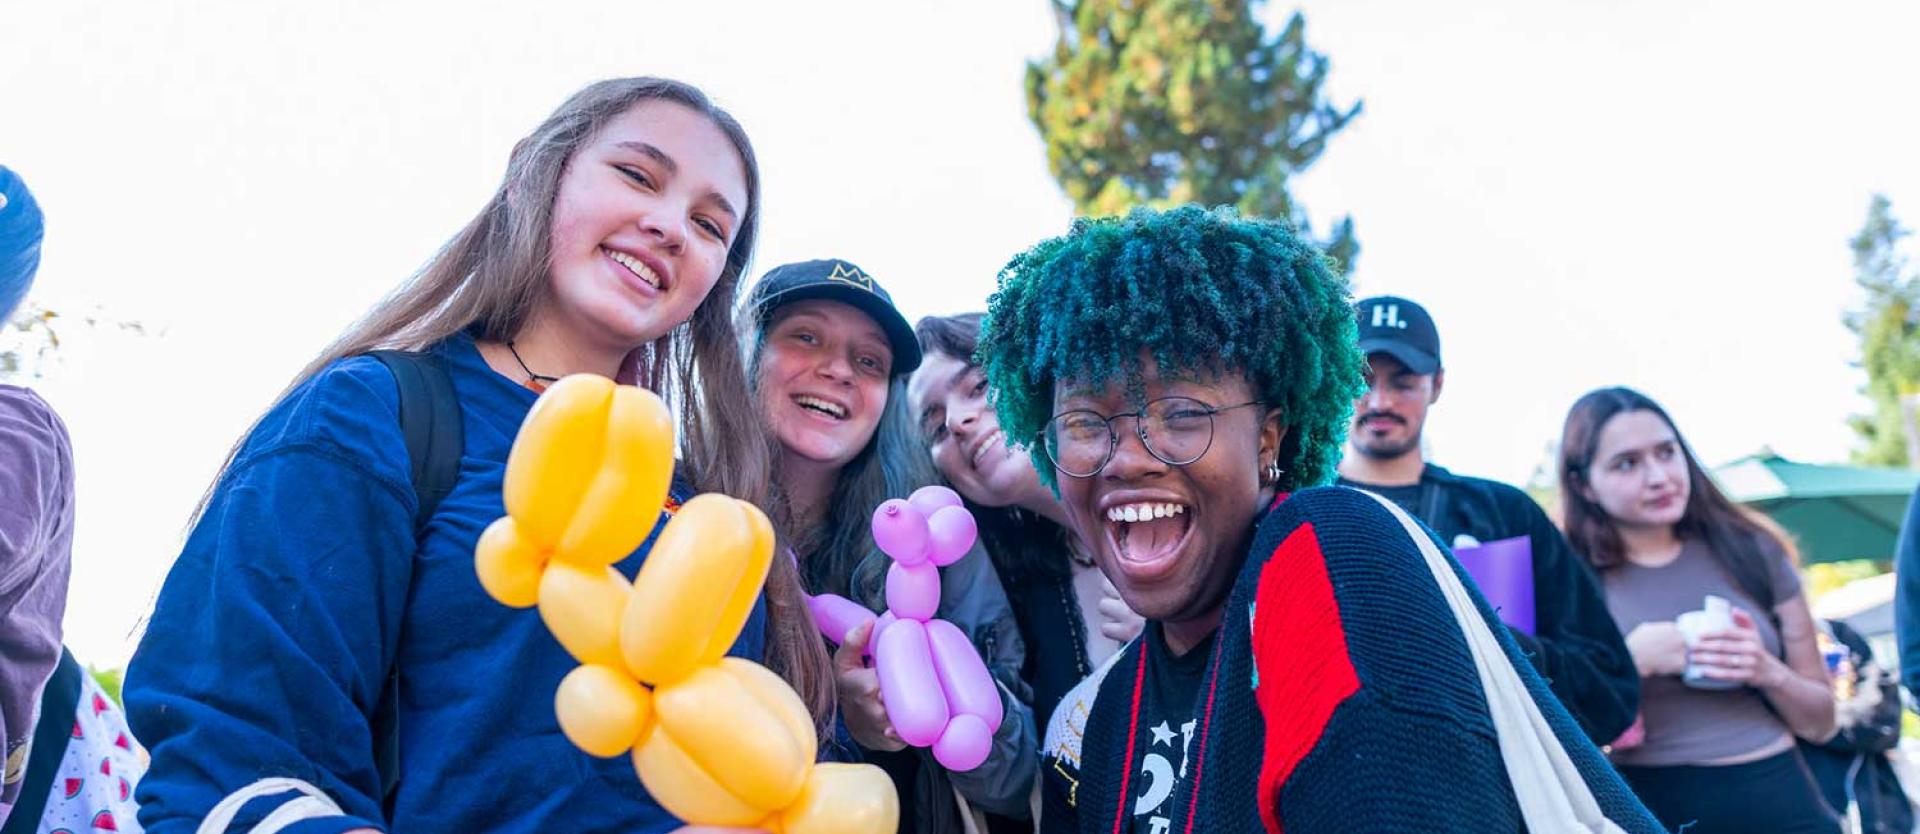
[(1163, 102), (26, 341), (109, 680), (31, 340), (1888, 324)]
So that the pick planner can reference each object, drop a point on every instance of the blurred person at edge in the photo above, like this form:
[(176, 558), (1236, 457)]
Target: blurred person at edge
[(69, 757)]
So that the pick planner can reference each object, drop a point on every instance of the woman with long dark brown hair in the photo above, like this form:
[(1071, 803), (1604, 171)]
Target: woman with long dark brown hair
[(323, 655), (1707, 596)]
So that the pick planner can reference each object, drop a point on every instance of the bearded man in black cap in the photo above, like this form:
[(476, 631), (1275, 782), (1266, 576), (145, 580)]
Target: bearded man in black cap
[(1574, 642)]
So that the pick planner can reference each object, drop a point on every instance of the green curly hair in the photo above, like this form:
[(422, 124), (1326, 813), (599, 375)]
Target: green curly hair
[(1201, 291)]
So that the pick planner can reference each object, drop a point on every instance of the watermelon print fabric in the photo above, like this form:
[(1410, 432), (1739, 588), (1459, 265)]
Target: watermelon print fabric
[(94, 790)]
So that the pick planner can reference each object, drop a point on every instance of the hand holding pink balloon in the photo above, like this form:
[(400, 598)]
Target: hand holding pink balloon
[(935, 687)]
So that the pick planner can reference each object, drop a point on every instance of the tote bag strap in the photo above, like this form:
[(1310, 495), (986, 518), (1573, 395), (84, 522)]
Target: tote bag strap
[(1548, 787)]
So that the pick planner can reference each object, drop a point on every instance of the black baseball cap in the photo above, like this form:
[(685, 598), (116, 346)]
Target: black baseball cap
[(837, 280), (1401, 329)]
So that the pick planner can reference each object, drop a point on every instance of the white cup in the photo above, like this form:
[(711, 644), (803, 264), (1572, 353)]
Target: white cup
[(1715, 614)]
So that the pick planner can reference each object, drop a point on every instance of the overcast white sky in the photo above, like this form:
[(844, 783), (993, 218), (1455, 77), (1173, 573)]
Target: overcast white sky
[(1639, 192)]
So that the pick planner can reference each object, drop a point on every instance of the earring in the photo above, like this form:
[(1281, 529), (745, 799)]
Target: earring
[(1271, 474)]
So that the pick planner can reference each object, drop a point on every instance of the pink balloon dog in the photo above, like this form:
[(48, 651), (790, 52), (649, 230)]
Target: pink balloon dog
[(935, 686)]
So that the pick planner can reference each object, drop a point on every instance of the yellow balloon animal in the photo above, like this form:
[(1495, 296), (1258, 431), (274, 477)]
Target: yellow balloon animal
[(717, 740)]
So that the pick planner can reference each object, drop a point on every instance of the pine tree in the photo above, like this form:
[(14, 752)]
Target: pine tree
[(1888, 325), (1163, 102)]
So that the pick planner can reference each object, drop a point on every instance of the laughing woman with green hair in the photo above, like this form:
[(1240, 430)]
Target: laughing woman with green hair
[(1313, 660)]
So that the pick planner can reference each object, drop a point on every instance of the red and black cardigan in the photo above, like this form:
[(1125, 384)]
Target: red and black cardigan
[(1340, 697)]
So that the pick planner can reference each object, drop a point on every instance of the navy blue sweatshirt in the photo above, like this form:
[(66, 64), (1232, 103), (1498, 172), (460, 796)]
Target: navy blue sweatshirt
[(303, 584)]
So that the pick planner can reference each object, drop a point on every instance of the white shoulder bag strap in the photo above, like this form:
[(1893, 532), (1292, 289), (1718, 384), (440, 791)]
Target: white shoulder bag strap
[(1551, 794), (311, 803)]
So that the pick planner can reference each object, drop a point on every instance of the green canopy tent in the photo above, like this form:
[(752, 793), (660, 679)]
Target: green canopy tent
[(1834, 512)]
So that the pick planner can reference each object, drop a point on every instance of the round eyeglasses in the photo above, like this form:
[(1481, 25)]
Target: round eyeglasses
[(1175, 430)]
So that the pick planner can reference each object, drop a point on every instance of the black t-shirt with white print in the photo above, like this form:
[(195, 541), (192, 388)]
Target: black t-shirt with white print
[(1406, 497), (1163, 740)]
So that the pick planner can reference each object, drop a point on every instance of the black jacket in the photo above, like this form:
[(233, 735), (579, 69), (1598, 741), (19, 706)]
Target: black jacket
[(1576, 646)]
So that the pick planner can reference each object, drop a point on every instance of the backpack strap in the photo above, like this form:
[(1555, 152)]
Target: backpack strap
[(430, 422), (59, 702)]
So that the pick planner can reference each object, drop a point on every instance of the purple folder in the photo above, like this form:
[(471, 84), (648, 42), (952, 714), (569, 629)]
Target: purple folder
[(1504, 571)]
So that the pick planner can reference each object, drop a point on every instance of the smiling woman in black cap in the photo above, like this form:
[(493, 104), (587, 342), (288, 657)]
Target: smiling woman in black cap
[(829, 365)]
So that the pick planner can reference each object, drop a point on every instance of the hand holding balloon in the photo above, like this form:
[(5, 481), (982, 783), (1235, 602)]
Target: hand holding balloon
[(935, 688), (718, 740), (859, 688)]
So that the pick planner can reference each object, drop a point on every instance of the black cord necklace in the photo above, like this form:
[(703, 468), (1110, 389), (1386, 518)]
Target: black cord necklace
[(531, 376)]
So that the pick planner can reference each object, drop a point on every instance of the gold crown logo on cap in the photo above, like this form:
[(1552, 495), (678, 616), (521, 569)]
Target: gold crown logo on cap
[(849, 274)]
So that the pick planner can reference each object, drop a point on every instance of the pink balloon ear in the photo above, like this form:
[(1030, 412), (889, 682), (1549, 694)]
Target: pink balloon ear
[(901, 531), (951, 532), (929, 499)]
